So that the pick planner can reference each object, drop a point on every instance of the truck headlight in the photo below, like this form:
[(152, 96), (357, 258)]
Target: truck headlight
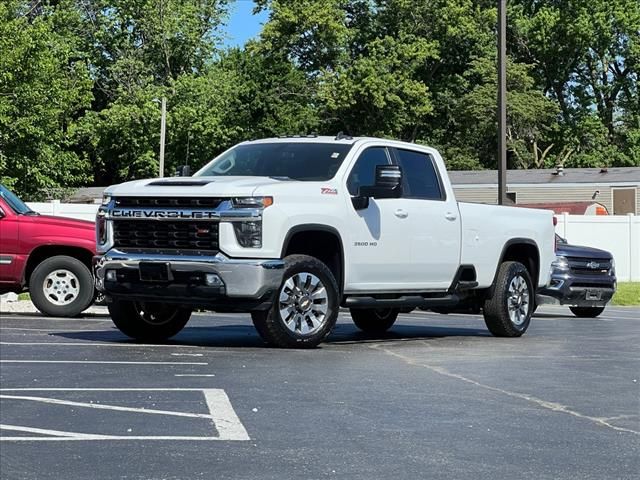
[(252, 202), (101, 227), (249, 234), (106, 198), (612, 270), (560, 263)]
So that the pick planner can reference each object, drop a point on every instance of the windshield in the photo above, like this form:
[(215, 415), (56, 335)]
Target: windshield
[(14, 202), (295, 160)]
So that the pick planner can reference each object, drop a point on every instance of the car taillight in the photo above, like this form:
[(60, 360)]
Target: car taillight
[(555, 237)]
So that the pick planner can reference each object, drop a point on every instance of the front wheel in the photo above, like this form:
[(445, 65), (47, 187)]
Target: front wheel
[(508, 312), (374, 320), (586, 312), (61, 286), (148, 321), (305, 308)]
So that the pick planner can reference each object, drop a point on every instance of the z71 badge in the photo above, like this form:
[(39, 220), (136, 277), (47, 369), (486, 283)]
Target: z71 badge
[(328, 191)]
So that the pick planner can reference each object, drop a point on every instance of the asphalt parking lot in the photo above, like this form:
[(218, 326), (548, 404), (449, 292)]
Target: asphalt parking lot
[(437, 397)]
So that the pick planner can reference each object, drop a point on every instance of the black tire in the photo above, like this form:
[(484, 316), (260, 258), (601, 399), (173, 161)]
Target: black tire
[(61, 286), (374, 320), (496, 309), (586, 312), (147, 321), (303, 311)]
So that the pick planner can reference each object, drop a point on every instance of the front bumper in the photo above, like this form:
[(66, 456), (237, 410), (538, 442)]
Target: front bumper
[(244, 284), (573, 290)]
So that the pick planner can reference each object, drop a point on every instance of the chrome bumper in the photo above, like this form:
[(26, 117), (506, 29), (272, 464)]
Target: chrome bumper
[(241, 278)]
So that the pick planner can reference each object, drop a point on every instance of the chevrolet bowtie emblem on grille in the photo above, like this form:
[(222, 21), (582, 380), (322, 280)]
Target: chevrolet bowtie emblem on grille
[(593, 265)]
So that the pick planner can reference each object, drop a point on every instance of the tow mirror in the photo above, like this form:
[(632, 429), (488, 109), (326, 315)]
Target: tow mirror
[(183, 171), (388, 185)]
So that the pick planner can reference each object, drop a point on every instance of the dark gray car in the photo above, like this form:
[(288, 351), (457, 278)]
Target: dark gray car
[(583, 278)]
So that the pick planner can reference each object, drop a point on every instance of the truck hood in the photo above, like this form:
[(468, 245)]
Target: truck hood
[(567, 250), (59, 223), (194, 186)]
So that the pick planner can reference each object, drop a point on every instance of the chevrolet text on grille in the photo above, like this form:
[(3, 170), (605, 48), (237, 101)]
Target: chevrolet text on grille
[(182, 214)]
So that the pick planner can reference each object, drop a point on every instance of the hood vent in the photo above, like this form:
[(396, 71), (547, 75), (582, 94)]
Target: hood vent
[(179, 183)]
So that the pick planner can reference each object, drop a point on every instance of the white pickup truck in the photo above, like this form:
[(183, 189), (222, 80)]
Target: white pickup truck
[(292, 229)]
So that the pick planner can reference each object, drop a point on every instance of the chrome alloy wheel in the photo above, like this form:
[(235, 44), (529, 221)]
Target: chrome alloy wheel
[(303, 303), (61, 287), (518, 300)]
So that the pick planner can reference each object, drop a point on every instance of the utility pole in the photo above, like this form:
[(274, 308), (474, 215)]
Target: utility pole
[(163, 127), (502, 102)]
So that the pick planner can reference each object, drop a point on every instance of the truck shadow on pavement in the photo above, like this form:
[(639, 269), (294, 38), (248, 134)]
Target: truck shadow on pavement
[(245, 336)]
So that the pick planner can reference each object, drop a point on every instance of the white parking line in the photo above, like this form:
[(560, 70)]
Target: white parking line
[(101, 362), (194, 375), (221, 413), (102, 406), (99, 344)]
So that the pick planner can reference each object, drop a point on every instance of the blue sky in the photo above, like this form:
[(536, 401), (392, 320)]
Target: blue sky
[(242, 24)]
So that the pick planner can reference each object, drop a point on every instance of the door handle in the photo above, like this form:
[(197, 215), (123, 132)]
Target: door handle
[(450, 216), (400, 213)]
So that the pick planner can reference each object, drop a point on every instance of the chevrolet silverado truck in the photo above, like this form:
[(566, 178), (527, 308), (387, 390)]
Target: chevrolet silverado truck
[(582, 278), (48, 256), (291, 229)]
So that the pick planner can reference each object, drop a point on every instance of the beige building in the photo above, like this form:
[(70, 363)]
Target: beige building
[(618, 189)]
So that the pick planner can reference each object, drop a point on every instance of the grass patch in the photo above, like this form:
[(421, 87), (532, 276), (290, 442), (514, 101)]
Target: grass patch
[(628, 293), (24, 296)]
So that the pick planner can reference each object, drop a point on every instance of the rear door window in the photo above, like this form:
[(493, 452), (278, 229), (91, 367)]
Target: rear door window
[(420, 177)]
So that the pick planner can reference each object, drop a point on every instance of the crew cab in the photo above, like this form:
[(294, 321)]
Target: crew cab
[(292, 229), (46, 255)]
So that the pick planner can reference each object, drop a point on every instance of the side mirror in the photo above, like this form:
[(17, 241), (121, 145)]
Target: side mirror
[(183, 171), (388, 185)]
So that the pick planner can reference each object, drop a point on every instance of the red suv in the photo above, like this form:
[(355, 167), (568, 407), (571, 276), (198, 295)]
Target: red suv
[(49, 256)]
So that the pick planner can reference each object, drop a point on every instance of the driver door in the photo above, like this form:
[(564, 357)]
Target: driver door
[(375, 234)]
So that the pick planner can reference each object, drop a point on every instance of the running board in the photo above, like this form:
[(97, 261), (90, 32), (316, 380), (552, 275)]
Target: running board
[(413, 301)]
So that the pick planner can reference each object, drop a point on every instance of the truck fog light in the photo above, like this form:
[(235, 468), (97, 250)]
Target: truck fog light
[(213, 280), (110, 275)]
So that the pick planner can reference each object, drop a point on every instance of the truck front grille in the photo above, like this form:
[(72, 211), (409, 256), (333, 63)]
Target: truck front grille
[(180, 235), (184, 202), (589, 266)]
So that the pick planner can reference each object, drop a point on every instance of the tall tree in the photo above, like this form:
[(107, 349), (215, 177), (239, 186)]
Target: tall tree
[(45, 87)]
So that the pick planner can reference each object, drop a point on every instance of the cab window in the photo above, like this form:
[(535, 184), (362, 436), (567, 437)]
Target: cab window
[(364, 171), (420, 177)]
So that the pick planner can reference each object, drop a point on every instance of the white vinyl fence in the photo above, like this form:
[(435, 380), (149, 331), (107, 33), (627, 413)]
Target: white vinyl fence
[(619, 234), (82, 211)]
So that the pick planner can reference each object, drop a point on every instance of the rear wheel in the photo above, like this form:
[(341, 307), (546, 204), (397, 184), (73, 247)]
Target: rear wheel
[(61, 286), (586, 312), (306, 306), (508, 312), (148, 321), (374, 320)]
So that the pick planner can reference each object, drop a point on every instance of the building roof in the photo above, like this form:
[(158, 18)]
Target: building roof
[(548, 176), (86, 195)]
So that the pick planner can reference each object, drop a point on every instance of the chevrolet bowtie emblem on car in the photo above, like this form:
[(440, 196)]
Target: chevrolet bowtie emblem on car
[(593, 265)]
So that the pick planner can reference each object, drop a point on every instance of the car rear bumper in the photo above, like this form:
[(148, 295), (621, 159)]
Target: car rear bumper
[(215, 282)]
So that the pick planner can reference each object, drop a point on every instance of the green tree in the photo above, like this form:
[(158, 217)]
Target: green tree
[(44, 88)]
